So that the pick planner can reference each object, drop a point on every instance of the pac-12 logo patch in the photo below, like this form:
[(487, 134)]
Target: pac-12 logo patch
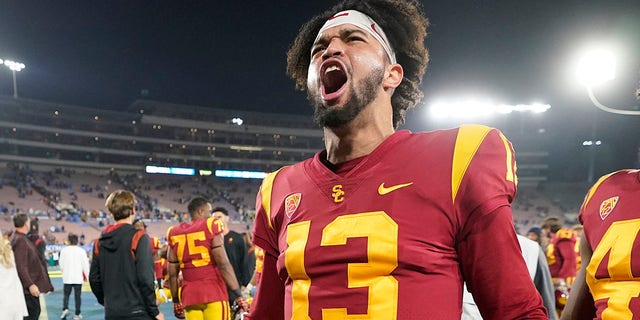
[(606, 207), (291, 203)]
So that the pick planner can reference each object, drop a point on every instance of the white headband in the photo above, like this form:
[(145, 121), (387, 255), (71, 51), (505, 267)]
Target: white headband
[(362, 21)]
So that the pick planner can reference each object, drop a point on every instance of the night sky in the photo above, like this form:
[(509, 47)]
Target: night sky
[(231, 54)]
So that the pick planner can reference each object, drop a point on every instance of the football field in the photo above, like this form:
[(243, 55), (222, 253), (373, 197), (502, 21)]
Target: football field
[(52, 303)]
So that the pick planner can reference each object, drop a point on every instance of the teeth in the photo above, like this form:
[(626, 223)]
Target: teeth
[(331, 68)]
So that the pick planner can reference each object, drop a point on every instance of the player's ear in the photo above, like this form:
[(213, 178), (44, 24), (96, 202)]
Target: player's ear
[(393, 76)]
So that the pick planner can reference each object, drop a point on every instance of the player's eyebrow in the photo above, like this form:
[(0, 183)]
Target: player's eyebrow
[(344, 33)]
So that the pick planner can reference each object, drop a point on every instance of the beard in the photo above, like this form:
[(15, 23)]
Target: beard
[(359, 97)]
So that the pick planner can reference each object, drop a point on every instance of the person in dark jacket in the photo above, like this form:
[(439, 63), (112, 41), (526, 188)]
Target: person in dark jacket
[(122, 272), (30, 265), (235, 246)]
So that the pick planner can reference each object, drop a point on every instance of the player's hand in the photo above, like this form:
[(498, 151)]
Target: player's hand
[(241, 303), (34, 291), (160, 316), (178, 310)]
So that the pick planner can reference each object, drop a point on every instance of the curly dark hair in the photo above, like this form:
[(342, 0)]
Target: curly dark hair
[(406, 28)]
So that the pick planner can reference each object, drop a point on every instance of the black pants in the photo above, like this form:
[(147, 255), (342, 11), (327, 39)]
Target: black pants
[(77, 288), (33, 306)]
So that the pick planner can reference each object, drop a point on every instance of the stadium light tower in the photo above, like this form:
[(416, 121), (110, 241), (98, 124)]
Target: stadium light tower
[(595, 67), (14, 67)]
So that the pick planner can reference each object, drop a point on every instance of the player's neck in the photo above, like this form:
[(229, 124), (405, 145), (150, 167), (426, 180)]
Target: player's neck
[(359, 137)]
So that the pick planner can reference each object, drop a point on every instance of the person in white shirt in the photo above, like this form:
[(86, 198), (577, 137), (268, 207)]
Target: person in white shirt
[(75, 268)]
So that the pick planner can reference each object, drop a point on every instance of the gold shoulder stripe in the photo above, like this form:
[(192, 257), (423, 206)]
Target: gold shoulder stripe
[(210, 224), (593, 189), (467, 143), (265, 191), (511, 166)]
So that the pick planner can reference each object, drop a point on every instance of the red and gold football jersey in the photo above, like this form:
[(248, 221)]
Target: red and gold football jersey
[(202, 280), (155, 244), (160, 268), (610, 215), (394, 237), (561, 255)]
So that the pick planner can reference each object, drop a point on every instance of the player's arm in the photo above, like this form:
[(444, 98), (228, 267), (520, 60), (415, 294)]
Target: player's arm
[(173, 269), (494, 269), (222, 261), (580, 304)]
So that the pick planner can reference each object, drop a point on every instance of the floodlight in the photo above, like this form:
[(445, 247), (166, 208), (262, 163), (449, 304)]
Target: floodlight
[(594, 67), (13, 66), (474, 108)]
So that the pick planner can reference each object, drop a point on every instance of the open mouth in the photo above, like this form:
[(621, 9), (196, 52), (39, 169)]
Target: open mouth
[(333, 78)]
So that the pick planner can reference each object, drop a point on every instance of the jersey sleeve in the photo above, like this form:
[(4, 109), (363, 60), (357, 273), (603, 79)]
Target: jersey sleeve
[(264, 229), (495, 272), (483, 175), (483, 182), (214, 226), (269, 300)]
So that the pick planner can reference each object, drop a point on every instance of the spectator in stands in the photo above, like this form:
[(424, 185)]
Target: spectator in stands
[(12, 304), (607, 285), (122, 273), (75, 269), (31, 266), (364, 215), (235, 246), (561, 256), (205, 280)]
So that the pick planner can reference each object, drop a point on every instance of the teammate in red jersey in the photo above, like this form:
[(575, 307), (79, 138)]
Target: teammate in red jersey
[(385, 224), (197, 249), (608, 284), (561, 253), (562, 258)]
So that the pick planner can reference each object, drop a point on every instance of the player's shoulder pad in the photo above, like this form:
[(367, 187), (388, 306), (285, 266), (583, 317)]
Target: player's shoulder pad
[(214, 225)]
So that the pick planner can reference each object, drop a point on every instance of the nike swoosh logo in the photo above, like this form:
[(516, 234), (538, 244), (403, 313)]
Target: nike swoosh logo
[(382, 190)]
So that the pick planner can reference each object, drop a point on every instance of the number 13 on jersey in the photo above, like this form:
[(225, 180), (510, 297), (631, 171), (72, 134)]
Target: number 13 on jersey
[(382, 253)]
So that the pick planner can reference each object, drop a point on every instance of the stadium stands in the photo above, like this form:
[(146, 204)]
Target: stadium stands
[(60, 161)]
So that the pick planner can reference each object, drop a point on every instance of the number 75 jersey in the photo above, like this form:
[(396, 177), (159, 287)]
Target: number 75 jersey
[(610, 215), (380, 241)]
